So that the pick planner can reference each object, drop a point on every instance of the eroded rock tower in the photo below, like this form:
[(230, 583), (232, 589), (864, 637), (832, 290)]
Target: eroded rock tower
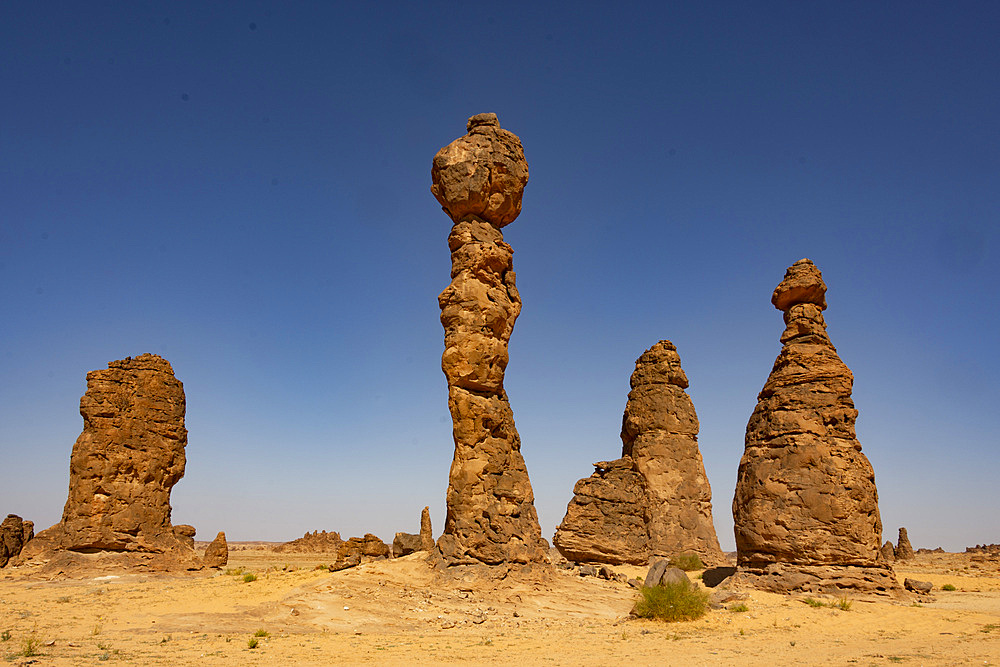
[(654, 501), (806, 508), (123, 466), (479, 179)]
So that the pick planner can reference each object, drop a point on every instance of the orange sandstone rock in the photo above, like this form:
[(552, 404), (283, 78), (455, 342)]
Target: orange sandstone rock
[(806, 508), (479, 179)]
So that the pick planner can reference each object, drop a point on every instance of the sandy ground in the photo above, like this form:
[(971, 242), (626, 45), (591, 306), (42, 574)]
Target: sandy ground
[(406, 612)]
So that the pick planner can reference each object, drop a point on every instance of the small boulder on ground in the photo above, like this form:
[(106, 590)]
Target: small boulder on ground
[(661, 573), (922, 587)]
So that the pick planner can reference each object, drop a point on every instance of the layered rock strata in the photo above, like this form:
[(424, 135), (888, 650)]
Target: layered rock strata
[(654, 501), (479, 179), (806, 508), (15, 532), (123, 466)]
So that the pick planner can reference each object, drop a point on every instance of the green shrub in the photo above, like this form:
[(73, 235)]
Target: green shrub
[(949, 587), (5, 636), (842, 604), (248, 577), (676, 601), (29, 646), (262, 633), (235, 571), (253, 642), (739, 608), (813, 603), (687, 562)]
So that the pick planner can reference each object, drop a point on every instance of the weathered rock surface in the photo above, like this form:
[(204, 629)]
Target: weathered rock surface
[(316, 542), (606, 521), (482, 174), (904, 550), (14, 534), (888, 552), (405, 544), (359, 550), (123, 466), (806, 508), (217, 553), (655, 501), (479, 180)]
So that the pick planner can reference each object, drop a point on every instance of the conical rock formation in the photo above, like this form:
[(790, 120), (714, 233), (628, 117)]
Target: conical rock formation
[(655, 501), (806, 508), (479, 179), (123, 466)]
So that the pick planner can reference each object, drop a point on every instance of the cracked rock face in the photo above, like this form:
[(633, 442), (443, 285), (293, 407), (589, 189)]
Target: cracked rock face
[(655, 501), (806, 508), (479, 180), (123, 466)]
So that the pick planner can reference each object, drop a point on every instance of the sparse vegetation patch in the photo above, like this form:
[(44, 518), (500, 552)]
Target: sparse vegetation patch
[(687, 562), (676, 601)]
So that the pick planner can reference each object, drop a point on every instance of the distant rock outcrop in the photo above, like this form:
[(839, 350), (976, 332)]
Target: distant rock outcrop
[(123, 466), (217, 553), (806, 508), (316, 542), (478, 179), (14, 534), (358, 550), (904, 550), (888, 552), (405, 544), (655, 501)]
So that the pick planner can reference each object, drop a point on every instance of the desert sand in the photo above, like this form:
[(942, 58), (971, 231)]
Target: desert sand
[(404, 611)]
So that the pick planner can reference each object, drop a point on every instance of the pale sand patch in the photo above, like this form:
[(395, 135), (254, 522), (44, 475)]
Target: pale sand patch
[(404, 612)]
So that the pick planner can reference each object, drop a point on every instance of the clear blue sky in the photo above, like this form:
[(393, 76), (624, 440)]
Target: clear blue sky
[(243, 188)]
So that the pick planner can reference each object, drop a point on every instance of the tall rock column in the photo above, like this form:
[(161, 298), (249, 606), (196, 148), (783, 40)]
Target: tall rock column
[(660, 433), (806, 508), (123, 466), (655, 501), (479, 179)]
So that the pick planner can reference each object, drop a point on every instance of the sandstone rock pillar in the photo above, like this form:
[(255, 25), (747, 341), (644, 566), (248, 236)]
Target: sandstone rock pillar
[(806, 508), (479, 179), (904, 550), (123, 466), (655, 501)]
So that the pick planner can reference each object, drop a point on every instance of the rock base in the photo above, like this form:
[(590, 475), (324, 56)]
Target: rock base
[(829, 579)]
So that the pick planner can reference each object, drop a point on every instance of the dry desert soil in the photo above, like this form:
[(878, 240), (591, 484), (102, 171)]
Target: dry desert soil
[(405, 612)]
